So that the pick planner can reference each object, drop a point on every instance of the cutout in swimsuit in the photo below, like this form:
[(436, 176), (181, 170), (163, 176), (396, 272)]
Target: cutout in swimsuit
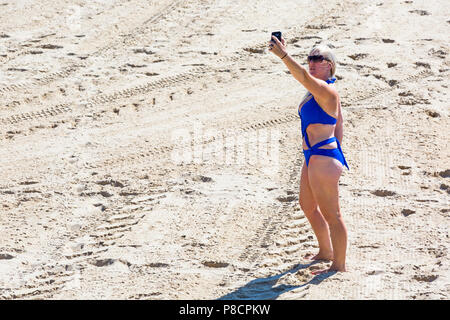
[(311, 112)]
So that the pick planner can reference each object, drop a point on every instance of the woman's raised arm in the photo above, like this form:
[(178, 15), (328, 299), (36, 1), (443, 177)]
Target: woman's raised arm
[(318, 88)]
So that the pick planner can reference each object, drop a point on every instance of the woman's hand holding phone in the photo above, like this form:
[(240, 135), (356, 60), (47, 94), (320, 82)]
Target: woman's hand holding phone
[(276, 46)]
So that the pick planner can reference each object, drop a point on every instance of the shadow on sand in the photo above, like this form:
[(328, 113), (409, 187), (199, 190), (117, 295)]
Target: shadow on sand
[(267, 289)]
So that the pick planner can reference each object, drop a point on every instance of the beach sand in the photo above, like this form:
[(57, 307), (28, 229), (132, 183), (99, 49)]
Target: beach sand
[(152, 149)]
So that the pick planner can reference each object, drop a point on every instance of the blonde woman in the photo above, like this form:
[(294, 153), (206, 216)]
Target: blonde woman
[(322, 131)]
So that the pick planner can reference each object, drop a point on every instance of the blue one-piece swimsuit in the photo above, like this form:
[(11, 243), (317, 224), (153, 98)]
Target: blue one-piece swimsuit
[(310, 112)]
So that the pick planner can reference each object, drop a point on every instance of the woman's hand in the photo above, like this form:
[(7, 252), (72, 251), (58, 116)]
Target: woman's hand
[(278, 48)]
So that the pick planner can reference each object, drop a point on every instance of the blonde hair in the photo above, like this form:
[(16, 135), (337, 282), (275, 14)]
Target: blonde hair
[(326, 52)]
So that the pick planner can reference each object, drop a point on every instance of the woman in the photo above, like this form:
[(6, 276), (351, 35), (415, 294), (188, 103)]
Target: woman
[(322, 130)]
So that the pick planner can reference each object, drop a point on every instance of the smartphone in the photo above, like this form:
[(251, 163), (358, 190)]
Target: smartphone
[(276, 34)]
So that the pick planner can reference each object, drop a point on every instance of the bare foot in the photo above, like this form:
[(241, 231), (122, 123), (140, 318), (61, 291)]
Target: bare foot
[(320, 256), (332, 268)]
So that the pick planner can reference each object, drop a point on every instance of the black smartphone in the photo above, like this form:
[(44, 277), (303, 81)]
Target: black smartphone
[(276, 34)]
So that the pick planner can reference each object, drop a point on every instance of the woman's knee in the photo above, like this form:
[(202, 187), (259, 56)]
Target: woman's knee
[(307, 207), (333, 217)]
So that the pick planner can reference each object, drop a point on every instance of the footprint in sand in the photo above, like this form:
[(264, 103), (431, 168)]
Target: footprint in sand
[(158, 265), (407, 212), (101, 205), (437, 53), (50, 46), (425, 278), (383, 193), (432, 113), (202, 178), (102, 262), (6, 256), (420, 12), (392, 82), (255, 50), (113, 183), (422, 64), (143, 50), (131, 65), (407, 172), (444, 174), (303, 275), (214, 264), (358, 56), (445, 187), (10, 134), (26, 183), (317, 26), (287, 199), (105, 194), (413, 101), (17, 69), (374, 272)]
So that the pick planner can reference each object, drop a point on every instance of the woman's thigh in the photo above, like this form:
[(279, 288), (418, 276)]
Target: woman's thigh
[(324, 173), (306, 197)]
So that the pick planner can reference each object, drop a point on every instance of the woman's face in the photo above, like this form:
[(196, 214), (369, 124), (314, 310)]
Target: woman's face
[(319, 68)]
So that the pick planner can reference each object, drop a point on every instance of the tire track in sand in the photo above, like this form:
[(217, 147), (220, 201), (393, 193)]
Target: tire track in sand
[(255, 254), (106, 98), (67, 71), (124, 93), (131, 38), (66, 274)]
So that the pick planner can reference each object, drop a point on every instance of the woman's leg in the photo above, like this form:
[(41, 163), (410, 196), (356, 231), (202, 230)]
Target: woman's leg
[(320, 227), (324, 173)]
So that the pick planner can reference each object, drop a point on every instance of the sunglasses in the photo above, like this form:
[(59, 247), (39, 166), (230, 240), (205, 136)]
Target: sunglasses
[(319, 58)]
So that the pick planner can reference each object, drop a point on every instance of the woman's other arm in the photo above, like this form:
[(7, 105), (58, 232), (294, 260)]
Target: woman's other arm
[(339, 129)]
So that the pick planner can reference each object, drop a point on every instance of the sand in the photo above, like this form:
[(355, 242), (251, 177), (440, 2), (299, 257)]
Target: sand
[(151, 149)]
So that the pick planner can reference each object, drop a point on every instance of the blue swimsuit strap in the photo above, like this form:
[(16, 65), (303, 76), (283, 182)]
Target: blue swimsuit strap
[(330, 80), (324, 142)]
